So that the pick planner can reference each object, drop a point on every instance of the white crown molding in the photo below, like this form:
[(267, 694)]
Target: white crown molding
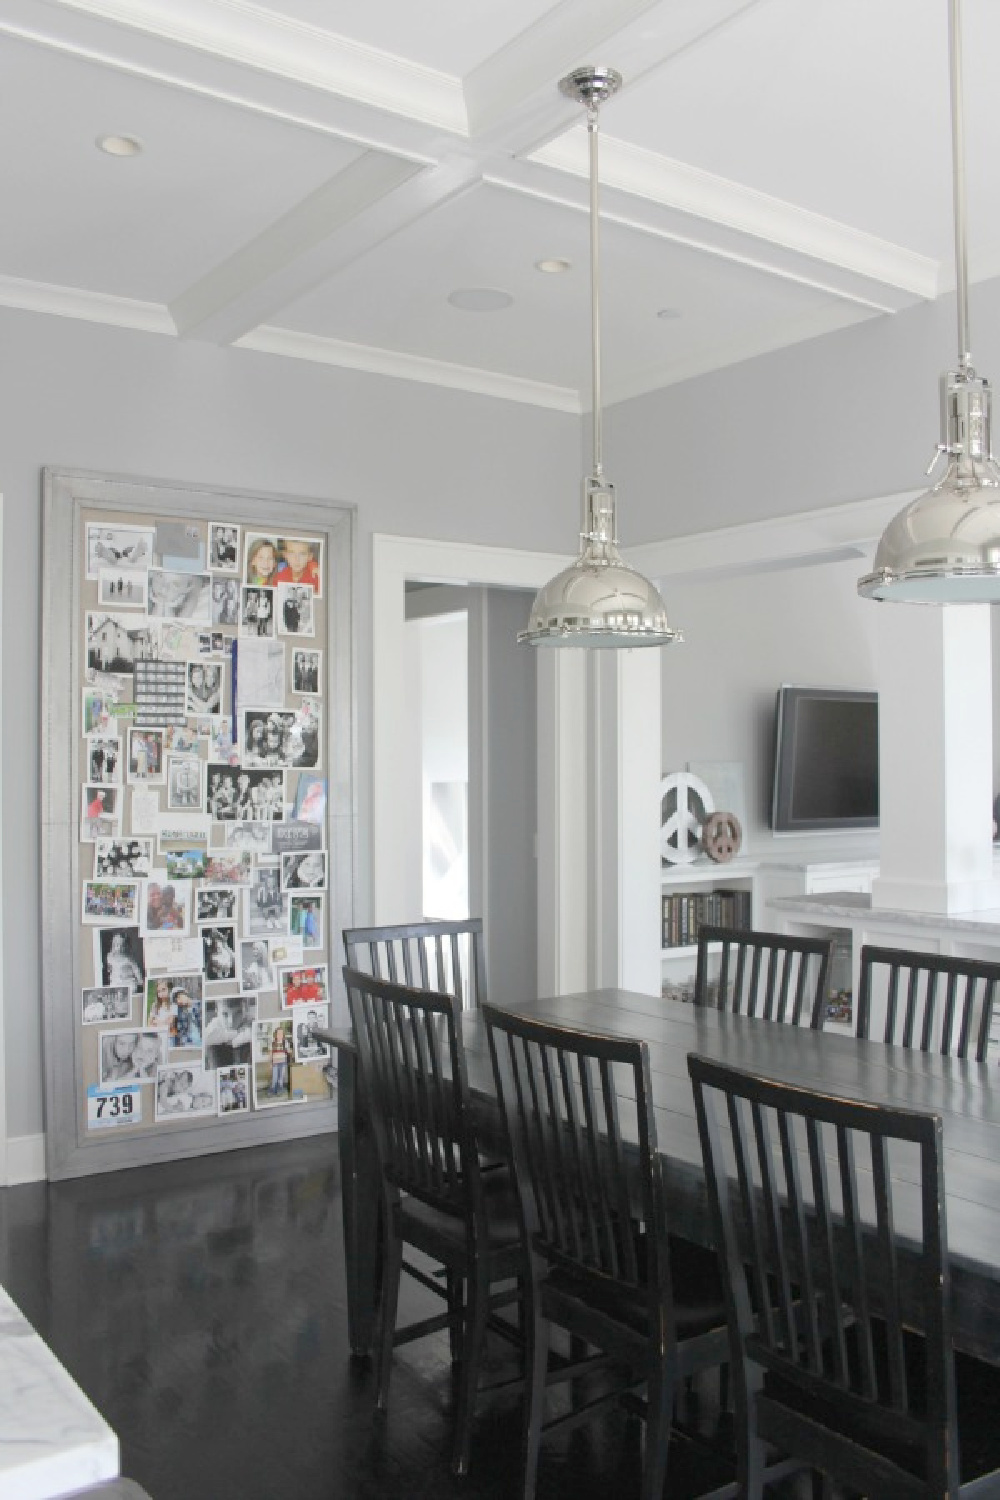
[(253, 37), (715, 200), (835, 531), (92, 307), (328, 351)]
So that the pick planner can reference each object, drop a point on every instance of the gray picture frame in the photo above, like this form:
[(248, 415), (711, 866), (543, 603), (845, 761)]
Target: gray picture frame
[(71, 498)]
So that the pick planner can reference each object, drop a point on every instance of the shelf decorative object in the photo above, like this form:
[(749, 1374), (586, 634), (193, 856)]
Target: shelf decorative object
[(721, 836), (685, 803)]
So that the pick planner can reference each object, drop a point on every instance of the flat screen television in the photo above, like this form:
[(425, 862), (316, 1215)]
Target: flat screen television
[(825, 760)]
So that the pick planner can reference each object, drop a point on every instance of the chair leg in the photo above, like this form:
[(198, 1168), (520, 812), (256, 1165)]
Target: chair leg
[(455, 1289), (536, 1364), (392, 1270), (473, 1339), (659, 1417), (750, 1454)]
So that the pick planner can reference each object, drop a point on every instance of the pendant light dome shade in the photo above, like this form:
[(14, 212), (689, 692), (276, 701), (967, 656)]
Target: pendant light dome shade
[(944, 547), (599, 601)]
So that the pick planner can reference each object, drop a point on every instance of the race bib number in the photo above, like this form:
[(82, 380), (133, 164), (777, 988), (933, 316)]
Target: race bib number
[(108, 1107)]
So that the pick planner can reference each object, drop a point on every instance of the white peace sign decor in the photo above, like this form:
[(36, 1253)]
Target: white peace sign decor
[(685, 803)]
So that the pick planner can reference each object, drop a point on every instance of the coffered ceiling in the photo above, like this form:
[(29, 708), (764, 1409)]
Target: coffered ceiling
[(318, 178)]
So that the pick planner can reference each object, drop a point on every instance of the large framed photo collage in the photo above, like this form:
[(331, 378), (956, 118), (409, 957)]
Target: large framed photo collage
[(199, 816)]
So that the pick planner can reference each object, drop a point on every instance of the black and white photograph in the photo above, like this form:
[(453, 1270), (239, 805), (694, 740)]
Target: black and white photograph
[(166, 907), (115, 643), (184, 783), (160, 692), (255, 836), (215, 903), (287, 738), (110, 902), (294, 609), (308, 1048), (179, 546), (305, 920), (260, 680), (219, 946), (225, 601), (235, 1089), (100, 813), (175, 595), (236, 795), (265, 911), (204, 688), (104, 759), (256, 969), (146, 760), (118, 958), (229, 1030), (130, 857), (113, 546), (304, 872), (256, 611), (307, 667), (103, 1003), (128, 1056), (223, 547), (123, 588), (300, 561), (184, 1093)]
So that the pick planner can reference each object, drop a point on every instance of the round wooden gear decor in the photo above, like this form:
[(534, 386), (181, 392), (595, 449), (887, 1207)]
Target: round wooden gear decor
[(721, 836)]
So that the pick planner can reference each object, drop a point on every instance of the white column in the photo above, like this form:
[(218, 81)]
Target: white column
[(564, 823), (935, 760), (625, 871)]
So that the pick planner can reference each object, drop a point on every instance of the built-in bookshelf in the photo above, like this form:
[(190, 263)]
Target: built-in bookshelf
[(696, 895)]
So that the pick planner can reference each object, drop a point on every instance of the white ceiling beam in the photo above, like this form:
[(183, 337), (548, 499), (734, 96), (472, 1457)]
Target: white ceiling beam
[(305, 245)]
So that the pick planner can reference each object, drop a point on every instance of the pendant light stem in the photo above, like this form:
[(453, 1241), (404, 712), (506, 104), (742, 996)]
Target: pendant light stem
[(958, 180), (595, 302)]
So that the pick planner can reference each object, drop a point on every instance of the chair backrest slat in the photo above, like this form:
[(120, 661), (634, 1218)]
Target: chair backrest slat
[(767, 975), (446, 957), (414, 1075), (927, 1001), (579, 1117), (818, 1196)]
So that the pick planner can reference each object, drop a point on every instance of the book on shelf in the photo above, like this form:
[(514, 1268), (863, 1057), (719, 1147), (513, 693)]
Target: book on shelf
[(684, 913)]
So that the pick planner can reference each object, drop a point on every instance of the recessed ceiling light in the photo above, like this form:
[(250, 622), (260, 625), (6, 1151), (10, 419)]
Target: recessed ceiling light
[(480, 299), (119, 145), (553, 267), (666, 313)]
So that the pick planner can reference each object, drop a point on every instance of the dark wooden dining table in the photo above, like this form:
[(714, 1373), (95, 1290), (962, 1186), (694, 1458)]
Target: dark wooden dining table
[(965, 1094)]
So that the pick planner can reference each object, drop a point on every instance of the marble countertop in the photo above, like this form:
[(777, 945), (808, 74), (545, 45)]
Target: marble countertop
[(858, 906), (52, 1440)]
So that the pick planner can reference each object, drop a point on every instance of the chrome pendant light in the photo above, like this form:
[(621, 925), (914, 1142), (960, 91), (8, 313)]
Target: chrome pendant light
[(944, 547), (599, 601)]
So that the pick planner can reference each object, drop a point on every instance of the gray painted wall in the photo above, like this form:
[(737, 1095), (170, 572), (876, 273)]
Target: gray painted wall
[(414, 459)]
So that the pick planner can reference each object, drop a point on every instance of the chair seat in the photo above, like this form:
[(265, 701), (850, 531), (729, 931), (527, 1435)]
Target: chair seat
[(437, 1232)]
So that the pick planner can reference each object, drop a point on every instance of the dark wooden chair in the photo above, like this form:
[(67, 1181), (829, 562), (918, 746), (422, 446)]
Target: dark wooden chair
[(435, 1197), (930, 1003), (823, 1207), (582, 1135), (767, 975), (446, 957)]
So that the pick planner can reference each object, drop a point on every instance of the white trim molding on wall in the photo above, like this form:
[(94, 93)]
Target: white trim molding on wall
[(5, 1176)]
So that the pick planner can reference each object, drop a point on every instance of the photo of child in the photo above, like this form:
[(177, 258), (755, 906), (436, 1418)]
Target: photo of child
[(184, 1093), (299, 562), (129, 1056), (262, 561), (273, 1055)]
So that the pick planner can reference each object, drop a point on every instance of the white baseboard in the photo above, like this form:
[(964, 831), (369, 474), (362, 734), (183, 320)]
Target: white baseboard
[(25, 1159)]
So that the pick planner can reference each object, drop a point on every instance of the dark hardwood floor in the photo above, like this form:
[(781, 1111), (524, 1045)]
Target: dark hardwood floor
[(201, 1307)]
